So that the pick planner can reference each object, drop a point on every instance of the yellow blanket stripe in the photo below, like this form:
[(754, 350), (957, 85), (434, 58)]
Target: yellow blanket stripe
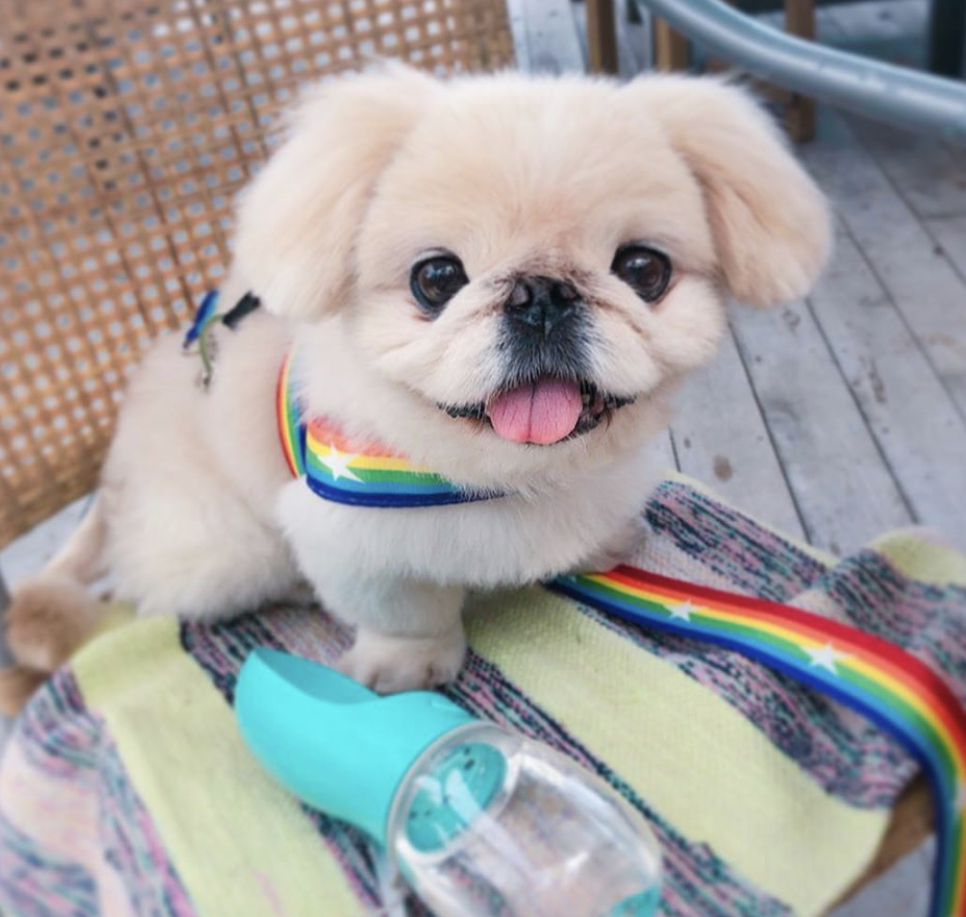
[(720, 781), (922, 559), (231, 819)]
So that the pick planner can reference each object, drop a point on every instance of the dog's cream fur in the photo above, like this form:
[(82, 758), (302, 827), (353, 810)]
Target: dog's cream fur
[(516, 175)]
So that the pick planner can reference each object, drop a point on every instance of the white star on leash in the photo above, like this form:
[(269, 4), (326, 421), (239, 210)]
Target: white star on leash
[(681, 612), (825, 657), (338, 463)]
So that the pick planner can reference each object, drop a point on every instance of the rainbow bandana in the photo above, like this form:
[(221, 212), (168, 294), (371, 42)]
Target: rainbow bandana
[(893, 688), (344, 471)]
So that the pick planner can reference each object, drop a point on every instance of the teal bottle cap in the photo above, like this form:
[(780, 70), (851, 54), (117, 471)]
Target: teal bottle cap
[(453, 793), (332, 742)]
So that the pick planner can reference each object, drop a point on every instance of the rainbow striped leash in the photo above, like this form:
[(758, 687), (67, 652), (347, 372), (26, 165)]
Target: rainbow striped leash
[(347, 472), (891, 687)]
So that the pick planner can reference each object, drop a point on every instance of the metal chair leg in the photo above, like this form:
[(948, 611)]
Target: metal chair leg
[(800, 115), (601, 37), (947, 37), (672, 50)]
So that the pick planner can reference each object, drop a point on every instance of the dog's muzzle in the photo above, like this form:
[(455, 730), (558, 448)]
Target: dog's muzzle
[(542, 305), (545, 330)]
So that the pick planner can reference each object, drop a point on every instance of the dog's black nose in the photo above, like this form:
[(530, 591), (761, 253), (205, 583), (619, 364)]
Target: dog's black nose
[(542, 303)]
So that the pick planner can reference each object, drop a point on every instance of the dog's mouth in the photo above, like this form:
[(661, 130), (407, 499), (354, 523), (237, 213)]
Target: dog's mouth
[(548, 411)]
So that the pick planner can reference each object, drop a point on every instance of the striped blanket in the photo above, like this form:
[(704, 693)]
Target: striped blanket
[(126, 789)]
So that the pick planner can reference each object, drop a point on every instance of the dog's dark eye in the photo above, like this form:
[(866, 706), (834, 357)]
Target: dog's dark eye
[(436, 281), (644, 269)]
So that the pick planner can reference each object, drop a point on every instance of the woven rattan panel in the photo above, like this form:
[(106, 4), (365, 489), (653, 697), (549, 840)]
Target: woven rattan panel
[(126, 126)]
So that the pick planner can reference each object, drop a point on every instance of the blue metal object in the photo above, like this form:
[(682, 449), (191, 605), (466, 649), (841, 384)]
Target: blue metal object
[(880, 91)]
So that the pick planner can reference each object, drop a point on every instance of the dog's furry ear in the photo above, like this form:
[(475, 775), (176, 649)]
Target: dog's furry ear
[(770, 222), (298, 220)]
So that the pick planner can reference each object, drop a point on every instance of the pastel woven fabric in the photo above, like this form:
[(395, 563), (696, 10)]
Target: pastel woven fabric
[(126, 789)]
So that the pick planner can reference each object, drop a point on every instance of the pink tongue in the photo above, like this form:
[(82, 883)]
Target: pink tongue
[(543, 413)]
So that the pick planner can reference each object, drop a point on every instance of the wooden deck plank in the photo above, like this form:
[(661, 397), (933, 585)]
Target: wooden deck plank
[(950, 234), (579, 10), (552, 45), (927, 290), (842, 485), (720, 438), (912, 418), (516, 14), (930, 176), (633, 38), (660, 454)]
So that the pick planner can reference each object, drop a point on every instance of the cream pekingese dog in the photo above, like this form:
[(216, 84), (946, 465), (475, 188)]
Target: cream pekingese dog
[(500, 279)]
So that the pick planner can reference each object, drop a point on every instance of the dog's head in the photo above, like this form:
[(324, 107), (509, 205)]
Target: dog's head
[(533, 257)]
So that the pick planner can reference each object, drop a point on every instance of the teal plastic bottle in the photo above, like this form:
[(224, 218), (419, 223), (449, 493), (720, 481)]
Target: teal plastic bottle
[(480, 821)]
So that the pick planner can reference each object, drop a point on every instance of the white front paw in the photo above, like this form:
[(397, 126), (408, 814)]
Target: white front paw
[(389, 664)]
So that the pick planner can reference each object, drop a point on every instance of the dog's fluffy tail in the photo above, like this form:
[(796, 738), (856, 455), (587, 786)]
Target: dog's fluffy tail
[(53, 613)]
